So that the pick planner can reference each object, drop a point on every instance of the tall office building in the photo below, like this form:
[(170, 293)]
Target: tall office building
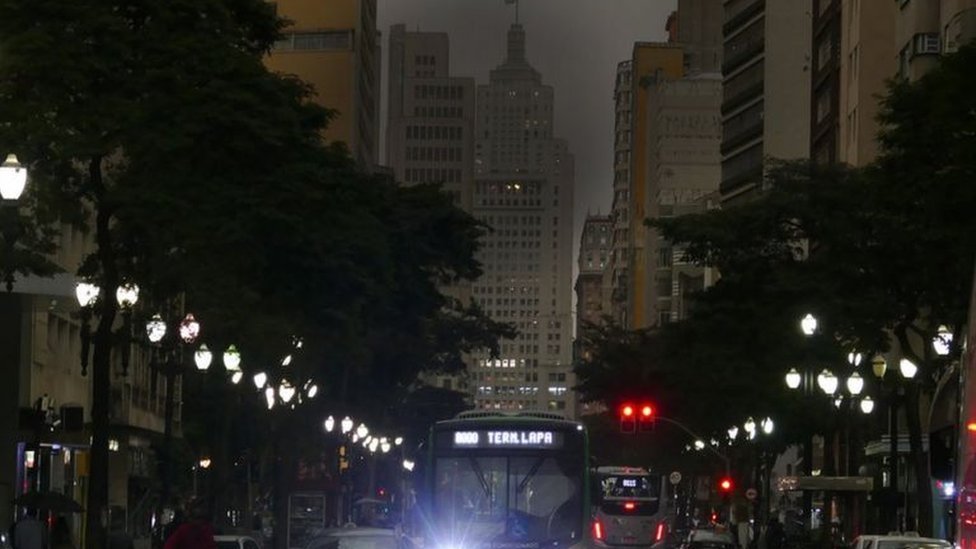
[(651, 62), (430, 117), (592, 261), (334, 46), (825, 81), (524, 191), (684, 167), (766, 77), (868, 58), (615, 275)]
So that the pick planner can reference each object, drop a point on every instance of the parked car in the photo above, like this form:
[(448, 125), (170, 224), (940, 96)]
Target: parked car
[(899, 540), (236, 542), (708, 538), (358, 538)]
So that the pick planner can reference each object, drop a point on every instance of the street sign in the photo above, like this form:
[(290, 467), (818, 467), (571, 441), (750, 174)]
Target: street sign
[(674, 477), (751, 494)]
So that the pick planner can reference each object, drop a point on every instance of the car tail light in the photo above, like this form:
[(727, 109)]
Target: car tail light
[(597, 530), (662, 529), (630, 506)]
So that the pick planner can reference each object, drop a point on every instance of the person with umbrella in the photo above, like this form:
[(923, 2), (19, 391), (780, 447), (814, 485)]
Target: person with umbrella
[(28, 532)]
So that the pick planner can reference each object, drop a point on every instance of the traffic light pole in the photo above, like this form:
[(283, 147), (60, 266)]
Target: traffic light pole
[(683, 427)]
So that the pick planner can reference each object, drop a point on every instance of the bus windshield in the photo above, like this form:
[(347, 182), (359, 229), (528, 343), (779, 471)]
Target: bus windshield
[(483, 500), (627, 487)]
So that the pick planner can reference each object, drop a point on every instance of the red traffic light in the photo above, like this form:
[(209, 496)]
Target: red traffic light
[(627, 410), (647, 411), (725, 485)]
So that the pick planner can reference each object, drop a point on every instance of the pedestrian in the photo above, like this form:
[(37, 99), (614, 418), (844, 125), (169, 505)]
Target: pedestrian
[(28, 532), (197, 532)]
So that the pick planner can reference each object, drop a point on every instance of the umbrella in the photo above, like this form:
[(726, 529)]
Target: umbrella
[(48, 501)]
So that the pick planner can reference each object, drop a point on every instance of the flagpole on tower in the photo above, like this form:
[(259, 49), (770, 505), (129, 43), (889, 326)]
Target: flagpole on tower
[(516, 2)]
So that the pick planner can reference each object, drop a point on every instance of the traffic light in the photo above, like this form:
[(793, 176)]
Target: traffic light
[(725, 488), (343, 462), (628, 418), (646, 418)]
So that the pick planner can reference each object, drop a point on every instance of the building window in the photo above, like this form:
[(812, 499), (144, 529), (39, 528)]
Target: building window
[(315, 41)]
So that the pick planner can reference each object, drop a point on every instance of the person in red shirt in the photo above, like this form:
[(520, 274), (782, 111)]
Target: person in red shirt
[(197, 532)]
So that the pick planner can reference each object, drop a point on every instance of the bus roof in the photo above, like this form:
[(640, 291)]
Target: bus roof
[(621, 470), (493, 417)]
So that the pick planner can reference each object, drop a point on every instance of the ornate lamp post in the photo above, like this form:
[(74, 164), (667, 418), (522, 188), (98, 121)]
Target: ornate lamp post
[(167, 354), (13, 179)]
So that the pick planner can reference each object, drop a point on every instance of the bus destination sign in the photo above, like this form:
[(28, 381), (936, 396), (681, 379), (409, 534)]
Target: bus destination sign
[(508, 438)]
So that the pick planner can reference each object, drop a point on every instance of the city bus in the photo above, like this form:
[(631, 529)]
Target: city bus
[(498, 480), (628, 507)]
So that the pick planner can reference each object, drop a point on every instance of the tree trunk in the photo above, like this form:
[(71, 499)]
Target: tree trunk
[(97, 504), (920, 462)]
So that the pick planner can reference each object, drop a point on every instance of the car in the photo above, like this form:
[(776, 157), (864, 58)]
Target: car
[(234, 541), (354, 537), (709, 538), (899, 540)]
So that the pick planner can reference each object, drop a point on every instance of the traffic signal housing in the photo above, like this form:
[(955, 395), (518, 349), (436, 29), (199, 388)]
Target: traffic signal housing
[(628, 418), (646, 419), (725, 487)]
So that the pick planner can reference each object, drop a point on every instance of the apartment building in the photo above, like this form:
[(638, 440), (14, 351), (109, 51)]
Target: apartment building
[(334, 46), (766, 90)]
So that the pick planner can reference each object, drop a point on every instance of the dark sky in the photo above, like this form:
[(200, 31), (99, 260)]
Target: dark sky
[(575, 44)]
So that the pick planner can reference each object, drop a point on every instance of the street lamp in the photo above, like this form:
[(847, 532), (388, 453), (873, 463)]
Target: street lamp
[(329, 424), (286, 391), (269, 397), (750, 427), (232, 359), (127, 295), (189, 329), (867, 405), (808, 324), (733, 432), (767, 426), (260, 379), (855, 384), (156, 328), (202, 357), (907, 368), (793, 378), (362, 430), (13, 178), (942, 342), (346, 424), (827, 382), (879, 366)]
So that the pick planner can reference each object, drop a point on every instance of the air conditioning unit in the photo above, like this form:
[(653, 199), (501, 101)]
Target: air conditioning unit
[(927, 43)]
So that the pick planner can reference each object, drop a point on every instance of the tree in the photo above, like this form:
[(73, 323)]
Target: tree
[(855, 246), (156, 126)]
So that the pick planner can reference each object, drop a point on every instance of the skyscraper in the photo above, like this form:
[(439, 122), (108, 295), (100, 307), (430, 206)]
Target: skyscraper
[(524, 190), (766, 90), (333, 45), (429, 135)]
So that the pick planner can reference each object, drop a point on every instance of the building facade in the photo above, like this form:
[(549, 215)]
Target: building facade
[(766, 90), (593, 260), (334, 46), (685, 166), (651, 63), (45, 402), (868, 58), (430, 124), (615, 275), (524, 190)]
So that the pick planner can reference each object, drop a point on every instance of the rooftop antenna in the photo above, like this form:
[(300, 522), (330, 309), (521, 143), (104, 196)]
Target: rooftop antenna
[(516, 2)]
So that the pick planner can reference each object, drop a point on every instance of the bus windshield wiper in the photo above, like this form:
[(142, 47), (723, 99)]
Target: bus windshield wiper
[(528, 476), (481, 477)]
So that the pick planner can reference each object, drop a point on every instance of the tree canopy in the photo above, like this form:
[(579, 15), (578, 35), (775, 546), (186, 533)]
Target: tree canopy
[(882, 255)]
